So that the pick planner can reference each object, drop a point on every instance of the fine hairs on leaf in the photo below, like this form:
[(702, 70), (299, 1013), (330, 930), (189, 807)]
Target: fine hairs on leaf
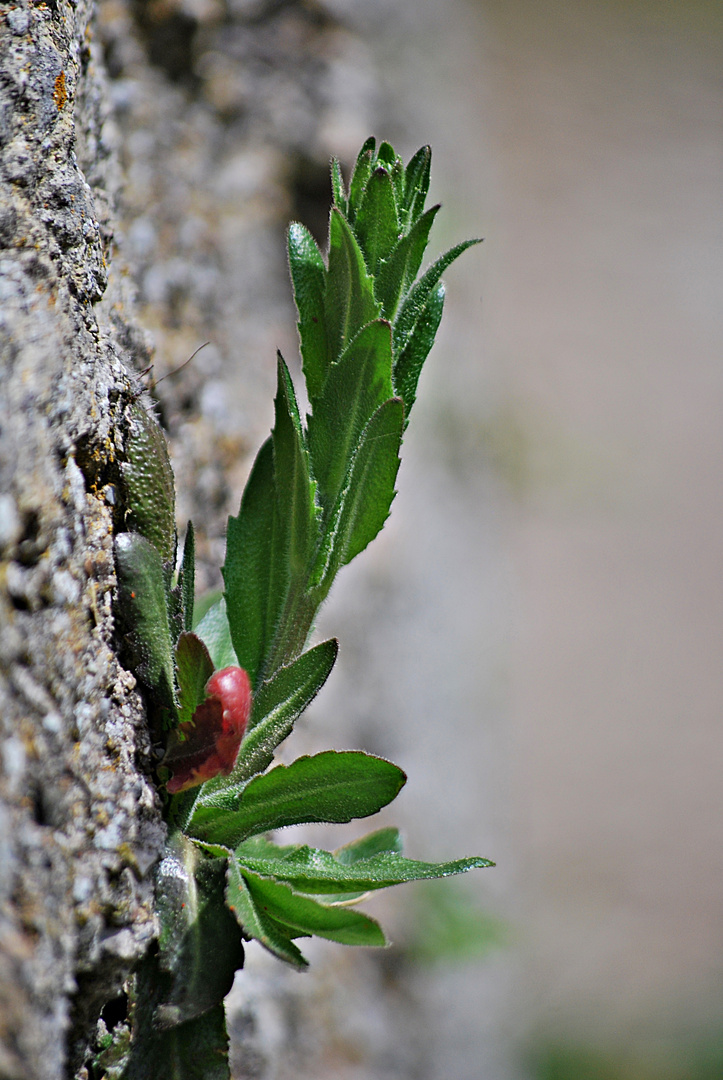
[(239, 666)]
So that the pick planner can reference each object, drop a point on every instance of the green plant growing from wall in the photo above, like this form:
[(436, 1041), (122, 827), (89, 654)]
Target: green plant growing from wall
[(225, 692)]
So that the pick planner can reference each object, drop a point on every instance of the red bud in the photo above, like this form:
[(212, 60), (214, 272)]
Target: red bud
[(210, 742)]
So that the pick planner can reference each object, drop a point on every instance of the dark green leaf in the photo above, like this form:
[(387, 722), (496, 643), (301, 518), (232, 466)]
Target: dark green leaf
[(330, 787), (410, 361), (357, 385), (337, 186), (310, 870), (417, 183), (150, 494), (308, 916), (187, 577), (416, 299), (194, 1050), (360, 176), (397, 275), (214, 631), (254, 921), (349, 302), (144, 616), (308, 275), (255, 571), (377, 224), (194, 669), (199, 943), (364, 502)]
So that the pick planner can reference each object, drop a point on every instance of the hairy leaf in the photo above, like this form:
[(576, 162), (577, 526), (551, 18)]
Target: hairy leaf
[(410, 361), (349, 299), (214, 631), (194, 668), (308, 275), (254, 920)]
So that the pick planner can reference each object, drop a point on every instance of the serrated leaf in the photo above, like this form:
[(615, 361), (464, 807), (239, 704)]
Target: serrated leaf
[(200, 946), (337, 186), (310, 870), (276, 706), (363, 503), (360, 175), (307, 916), (397, 275), (416, 299), (194, 668), (308, 275), (214, 631), (349, 302), (254, 921), (410, 361), (328, 787), (187, 577), (377, 223), (254, 563), (357, 385), (144, 617)]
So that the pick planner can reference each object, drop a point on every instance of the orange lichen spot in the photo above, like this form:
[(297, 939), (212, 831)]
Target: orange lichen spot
[(60, 93)]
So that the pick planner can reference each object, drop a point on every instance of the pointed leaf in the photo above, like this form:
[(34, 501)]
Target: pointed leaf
[(360, 176), (329, 787), (349, 302), (294, 499), (308, 275), (254, 921), (373, 843), (357, 385), (214, 631), (255, 562), (417, 297), (377, 224), (194, 669), (144, 616), (364, 501), (410, 361), (310, 870), (308, 916), (417, 183), (397, 275), (337, 186), (187, 577)]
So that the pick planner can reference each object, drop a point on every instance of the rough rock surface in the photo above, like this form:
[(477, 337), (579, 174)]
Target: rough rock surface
[(149, 155)]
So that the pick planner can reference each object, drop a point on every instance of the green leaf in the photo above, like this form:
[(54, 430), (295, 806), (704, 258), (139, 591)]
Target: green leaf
[(373, 843), (416, 299), (416, 183), (377, 224), (144, 616), (337, 186), (150, 494), (308, 275), (252, 604), (397, 275), (308, 916), (363, 503), (214, 631), (360, 176), (410, 361), (199, 943), (310, 870), (194, 669), (349, 302), (329, 787), (255, 922), (276, 707), (357, 385), (187, 577)]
